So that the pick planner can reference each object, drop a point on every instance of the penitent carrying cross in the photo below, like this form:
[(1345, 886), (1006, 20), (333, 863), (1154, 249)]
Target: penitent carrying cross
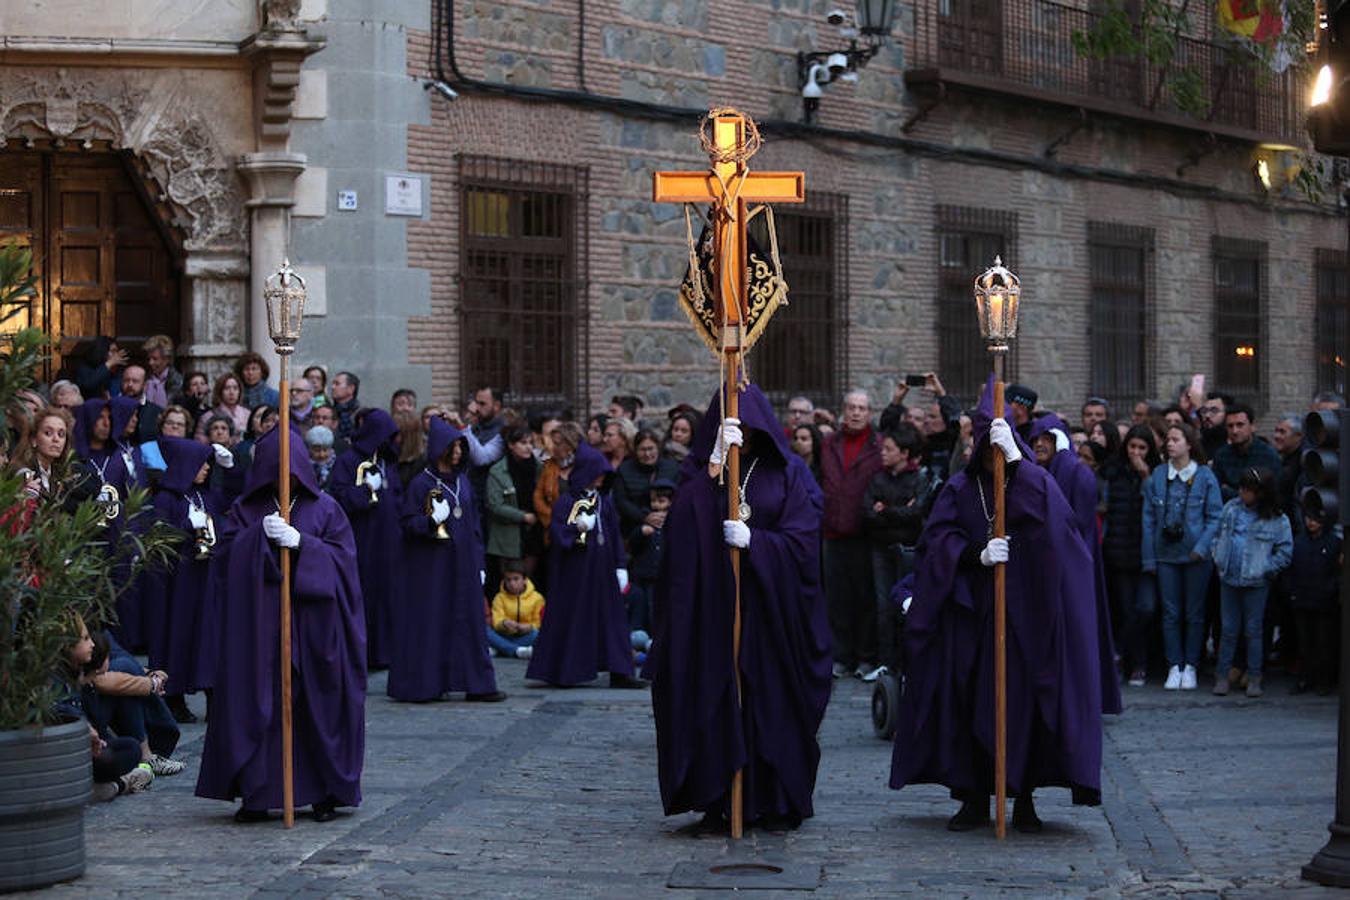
[(733, 323)]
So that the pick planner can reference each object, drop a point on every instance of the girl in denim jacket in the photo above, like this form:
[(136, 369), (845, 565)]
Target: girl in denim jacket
[(1253, 545), (1182, 502)]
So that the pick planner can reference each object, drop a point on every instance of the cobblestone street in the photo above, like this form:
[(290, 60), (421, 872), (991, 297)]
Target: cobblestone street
[(553, 794)]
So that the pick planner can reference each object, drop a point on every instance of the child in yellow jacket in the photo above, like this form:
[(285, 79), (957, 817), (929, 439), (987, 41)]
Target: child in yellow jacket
[(517, 612)]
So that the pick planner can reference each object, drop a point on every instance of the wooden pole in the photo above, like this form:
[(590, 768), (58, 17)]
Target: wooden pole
[(284, 502), (1000, 625)]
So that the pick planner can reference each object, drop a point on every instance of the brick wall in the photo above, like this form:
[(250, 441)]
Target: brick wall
[(966, 152)]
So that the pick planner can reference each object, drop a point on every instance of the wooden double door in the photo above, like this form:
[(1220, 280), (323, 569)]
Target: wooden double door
[(104, 265)]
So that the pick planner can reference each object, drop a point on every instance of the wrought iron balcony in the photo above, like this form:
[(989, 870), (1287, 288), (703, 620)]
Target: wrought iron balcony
[(1026, 48)]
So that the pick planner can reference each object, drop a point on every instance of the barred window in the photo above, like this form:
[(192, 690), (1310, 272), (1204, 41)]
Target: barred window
[(968, 240), (805, 350), (523, 249), (1239, 294), (1121, 273), (1333, 320)]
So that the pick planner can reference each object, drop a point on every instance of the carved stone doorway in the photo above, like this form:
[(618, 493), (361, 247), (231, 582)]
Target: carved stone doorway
[(105, 266)]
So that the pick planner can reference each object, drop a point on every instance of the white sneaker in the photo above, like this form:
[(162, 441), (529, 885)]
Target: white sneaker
[(137, 780), (524, 652), (862, 671), (162, 765), (104, 791), (1188, 678), (875, 674), (1173, 681)]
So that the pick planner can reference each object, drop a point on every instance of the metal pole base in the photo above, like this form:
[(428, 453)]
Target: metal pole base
[(1331, 865)]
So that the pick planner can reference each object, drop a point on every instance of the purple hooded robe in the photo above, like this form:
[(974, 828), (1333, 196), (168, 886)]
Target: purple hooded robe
[(181, 603), (1079, 486), (375, 526), (703, 733), (108, 466), (440, 641), (945, 730), (585, 629), (241, 756)]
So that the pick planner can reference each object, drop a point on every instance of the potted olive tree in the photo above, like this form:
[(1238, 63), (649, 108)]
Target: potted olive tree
[(57, 569)]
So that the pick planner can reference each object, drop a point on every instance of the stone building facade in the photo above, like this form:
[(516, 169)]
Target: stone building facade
[(508, 234)]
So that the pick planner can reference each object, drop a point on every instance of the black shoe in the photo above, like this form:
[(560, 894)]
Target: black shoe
[(970, 816), (324, 811), (627, 682), (489, 697), (179, 708), (775, 824), (244, 816), (1300, 687), (1024, 817)]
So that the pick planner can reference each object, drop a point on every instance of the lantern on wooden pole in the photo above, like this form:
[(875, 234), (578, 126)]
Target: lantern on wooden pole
[(284, 295), (998, 293)]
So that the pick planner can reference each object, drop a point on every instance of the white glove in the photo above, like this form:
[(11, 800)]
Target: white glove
[(196, 517), (440, 511), (622, 575), (482, 577), (736, 533), (224, 458), (278, 531), (1061, 440), (996, 551), (1001, 436), (904, 607), (729, 435), (585, 522), (374, 481)]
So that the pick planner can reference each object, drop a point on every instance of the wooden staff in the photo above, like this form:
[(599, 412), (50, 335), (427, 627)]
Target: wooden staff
[(284, 502), (1000, 624)]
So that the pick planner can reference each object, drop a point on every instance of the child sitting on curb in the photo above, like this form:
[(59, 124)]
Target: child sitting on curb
[(517, 613)]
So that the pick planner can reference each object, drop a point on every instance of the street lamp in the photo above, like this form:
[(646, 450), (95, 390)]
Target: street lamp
[(284, 295), (872, 20), (998, 293)]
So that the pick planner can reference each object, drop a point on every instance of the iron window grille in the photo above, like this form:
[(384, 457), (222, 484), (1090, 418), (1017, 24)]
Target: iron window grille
[(524, 242), (1121, 276), (805, 350), (968, 240), (1239, 321), (1333, 320)]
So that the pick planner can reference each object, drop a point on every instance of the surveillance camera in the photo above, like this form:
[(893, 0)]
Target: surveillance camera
[(812, 91), (837, 63), (836, 16), (441, 88), (815, 77)]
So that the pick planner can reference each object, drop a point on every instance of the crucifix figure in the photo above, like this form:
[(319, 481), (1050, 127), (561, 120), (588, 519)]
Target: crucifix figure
[(734, 319)]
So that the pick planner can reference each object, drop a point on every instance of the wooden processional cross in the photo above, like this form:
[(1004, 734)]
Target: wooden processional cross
[(728, 187)]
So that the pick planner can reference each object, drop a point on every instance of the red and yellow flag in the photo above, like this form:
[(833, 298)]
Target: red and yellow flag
[(1261, 21)]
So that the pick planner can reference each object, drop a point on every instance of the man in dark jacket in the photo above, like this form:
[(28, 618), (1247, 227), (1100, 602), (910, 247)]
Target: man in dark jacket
[(1243, 451), (849, 459), (894, 507)]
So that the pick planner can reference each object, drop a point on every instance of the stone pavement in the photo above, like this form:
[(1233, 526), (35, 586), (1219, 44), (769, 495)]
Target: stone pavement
[(553, 794)]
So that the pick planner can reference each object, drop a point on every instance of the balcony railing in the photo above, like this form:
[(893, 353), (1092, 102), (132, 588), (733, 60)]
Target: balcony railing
[(1027, 48)]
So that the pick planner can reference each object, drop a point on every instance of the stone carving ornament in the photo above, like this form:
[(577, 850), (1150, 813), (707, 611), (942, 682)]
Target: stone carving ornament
[(190, 173)]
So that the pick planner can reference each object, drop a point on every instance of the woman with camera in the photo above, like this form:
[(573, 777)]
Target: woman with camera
[(1182, 503)]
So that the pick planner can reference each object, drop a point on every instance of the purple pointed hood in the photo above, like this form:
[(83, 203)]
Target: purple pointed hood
[(1041, 424), (376, 432), (183, 458), (590, 464), (123, 408), (86, 415), (440, 435), (262, 474), (756, 415), (981, 421)]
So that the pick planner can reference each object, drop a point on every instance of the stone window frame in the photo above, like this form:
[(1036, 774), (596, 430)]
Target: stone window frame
[(1332, 319), (810, 335), (1110, 247), (1241, 288), (546, 363), (965, 236)]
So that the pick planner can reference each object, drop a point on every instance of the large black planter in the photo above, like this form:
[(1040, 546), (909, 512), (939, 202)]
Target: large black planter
[(45, 780)]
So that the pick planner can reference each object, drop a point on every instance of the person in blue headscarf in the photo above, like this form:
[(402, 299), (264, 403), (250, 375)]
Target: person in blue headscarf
[(945, 728)]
